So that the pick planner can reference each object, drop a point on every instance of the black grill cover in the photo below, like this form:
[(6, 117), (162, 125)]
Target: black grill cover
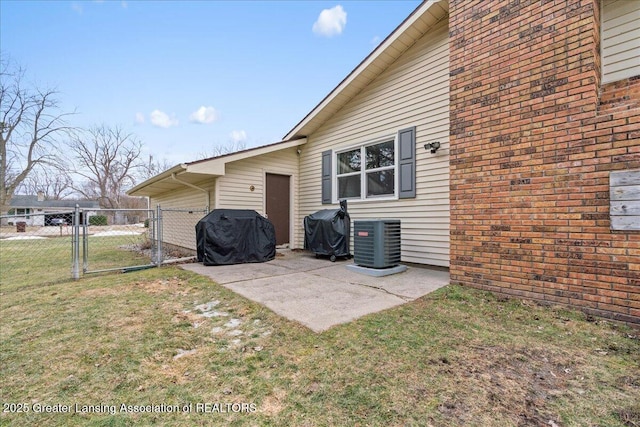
[(234, 236), (327, 232)]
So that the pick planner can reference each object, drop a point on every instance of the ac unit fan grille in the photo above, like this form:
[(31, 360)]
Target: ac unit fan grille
[(377, 243)]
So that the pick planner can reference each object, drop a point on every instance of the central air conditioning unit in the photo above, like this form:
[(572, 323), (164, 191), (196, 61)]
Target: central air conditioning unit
[(376, 243)]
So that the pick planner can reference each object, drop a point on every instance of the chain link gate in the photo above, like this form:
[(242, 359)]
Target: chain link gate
[(117, 239)]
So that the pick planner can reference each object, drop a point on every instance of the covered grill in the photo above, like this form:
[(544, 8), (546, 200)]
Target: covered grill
[(234, 236), (327, 232)]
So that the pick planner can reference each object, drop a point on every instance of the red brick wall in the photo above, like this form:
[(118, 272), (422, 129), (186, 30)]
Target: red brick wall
[(533, 139)]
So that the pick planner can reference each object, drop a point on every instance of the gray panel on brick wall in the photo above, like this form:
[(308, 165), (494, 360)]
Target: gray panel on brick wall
[(624, 193)]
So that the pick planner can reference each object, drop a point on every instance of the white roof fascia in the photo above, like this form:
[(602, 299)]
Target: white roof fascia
[(216, 165), (164, 175)]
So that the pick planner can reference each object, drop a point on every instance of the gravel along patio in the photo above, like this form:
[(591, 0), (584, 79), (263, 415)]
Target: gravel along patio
[(318, 293)]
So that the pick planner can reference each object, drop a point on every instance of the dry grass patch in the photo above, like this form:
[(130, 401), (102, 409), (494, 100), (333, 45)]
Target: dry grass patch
[(457, 357)]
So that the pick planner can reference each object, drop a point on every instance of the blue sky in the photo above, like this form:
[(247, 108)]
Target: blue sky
[(187, 76)]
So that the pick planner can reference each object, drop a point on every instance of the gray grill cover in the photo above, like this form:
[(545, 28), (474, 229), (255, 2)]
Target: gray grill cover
[(327, 232)]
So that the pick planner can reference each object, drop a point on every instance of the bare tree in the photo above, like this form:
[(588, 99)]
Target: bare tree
[(154, 167), (220, 150), (55, 183), (108, 159), (30, 128)]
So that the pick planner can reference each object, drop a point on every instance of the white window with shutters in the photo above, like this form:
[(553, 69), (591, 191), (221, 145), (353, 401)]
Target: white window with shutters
[(367, 171), (383, 169)]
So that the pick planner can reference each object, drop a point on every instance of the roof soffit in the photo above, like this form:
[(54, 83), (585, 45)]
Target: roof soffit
[(202, 170)]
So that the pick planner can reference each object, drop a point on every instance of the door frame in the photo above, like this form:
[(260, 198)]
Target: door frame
[(291, 198)]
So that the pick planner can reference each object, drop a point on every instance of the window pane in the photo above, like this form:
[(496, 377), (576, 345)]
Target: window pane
[(380, 155), (380, 183), (349, 186), (349, 161)]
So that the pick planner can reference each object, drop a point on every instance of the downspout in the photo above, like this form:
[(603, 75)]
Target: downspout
[(188, 184)]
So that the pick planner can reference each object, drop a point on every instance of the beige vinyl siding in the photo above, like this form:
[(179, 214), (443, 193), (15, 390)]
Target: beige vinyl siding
[(620, 39), (234, 188), (413, 91), (230, 191), (182, 209), (186, 197)]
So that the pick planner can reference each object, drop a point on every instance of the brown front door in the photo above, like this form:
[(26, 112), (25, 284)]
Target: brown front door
[(278, 205)]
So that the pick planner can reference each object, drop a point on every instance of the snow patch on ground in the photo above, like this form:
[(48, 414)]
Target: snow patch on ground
[(233, 323), (25, 238), (183, 353)]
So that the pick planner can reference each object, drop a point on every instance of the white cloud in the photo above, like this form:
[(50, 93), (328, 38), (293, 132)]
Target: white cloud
[(77, 7), (162, 119), (238, 136), (124, 4), (375, 41), (204, 115), (331, 22), (140, 118)]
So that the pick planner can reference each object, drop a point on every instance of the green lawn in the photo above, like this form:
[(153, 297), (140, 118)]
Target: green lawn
[(24, 262), (50, 260), (108, 252), (457, 357)]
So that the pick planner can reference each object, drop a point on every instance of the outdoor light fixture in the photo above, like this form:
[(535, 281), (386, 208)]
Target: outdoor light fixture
[(433, 146)]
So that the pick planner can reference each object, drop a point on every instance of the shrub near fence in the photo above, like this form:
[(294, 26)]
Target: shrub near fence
[(98, 220)]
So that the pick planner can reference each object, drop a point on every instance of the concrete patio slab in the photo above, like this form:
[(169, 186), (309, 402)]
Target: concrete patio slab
[(318, 293)]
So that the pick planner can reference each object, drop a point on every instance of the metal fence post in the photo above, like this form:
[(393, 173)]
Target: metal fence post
[(75, 243), (85, 243), (159, 235)]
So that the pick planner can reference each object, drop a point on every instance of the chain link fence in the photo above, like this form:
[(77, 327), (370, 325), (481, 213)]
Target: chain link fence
[(49, 247), (178, 231), (36, 247)]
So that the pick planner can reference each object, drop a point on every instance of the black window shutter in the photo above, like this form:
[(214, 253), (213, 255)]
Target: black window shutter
[(326, 177), (407, 163)]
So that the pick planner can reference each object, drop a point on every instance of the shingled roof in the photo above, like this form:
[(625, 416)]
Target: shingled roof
[(31, 201)]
